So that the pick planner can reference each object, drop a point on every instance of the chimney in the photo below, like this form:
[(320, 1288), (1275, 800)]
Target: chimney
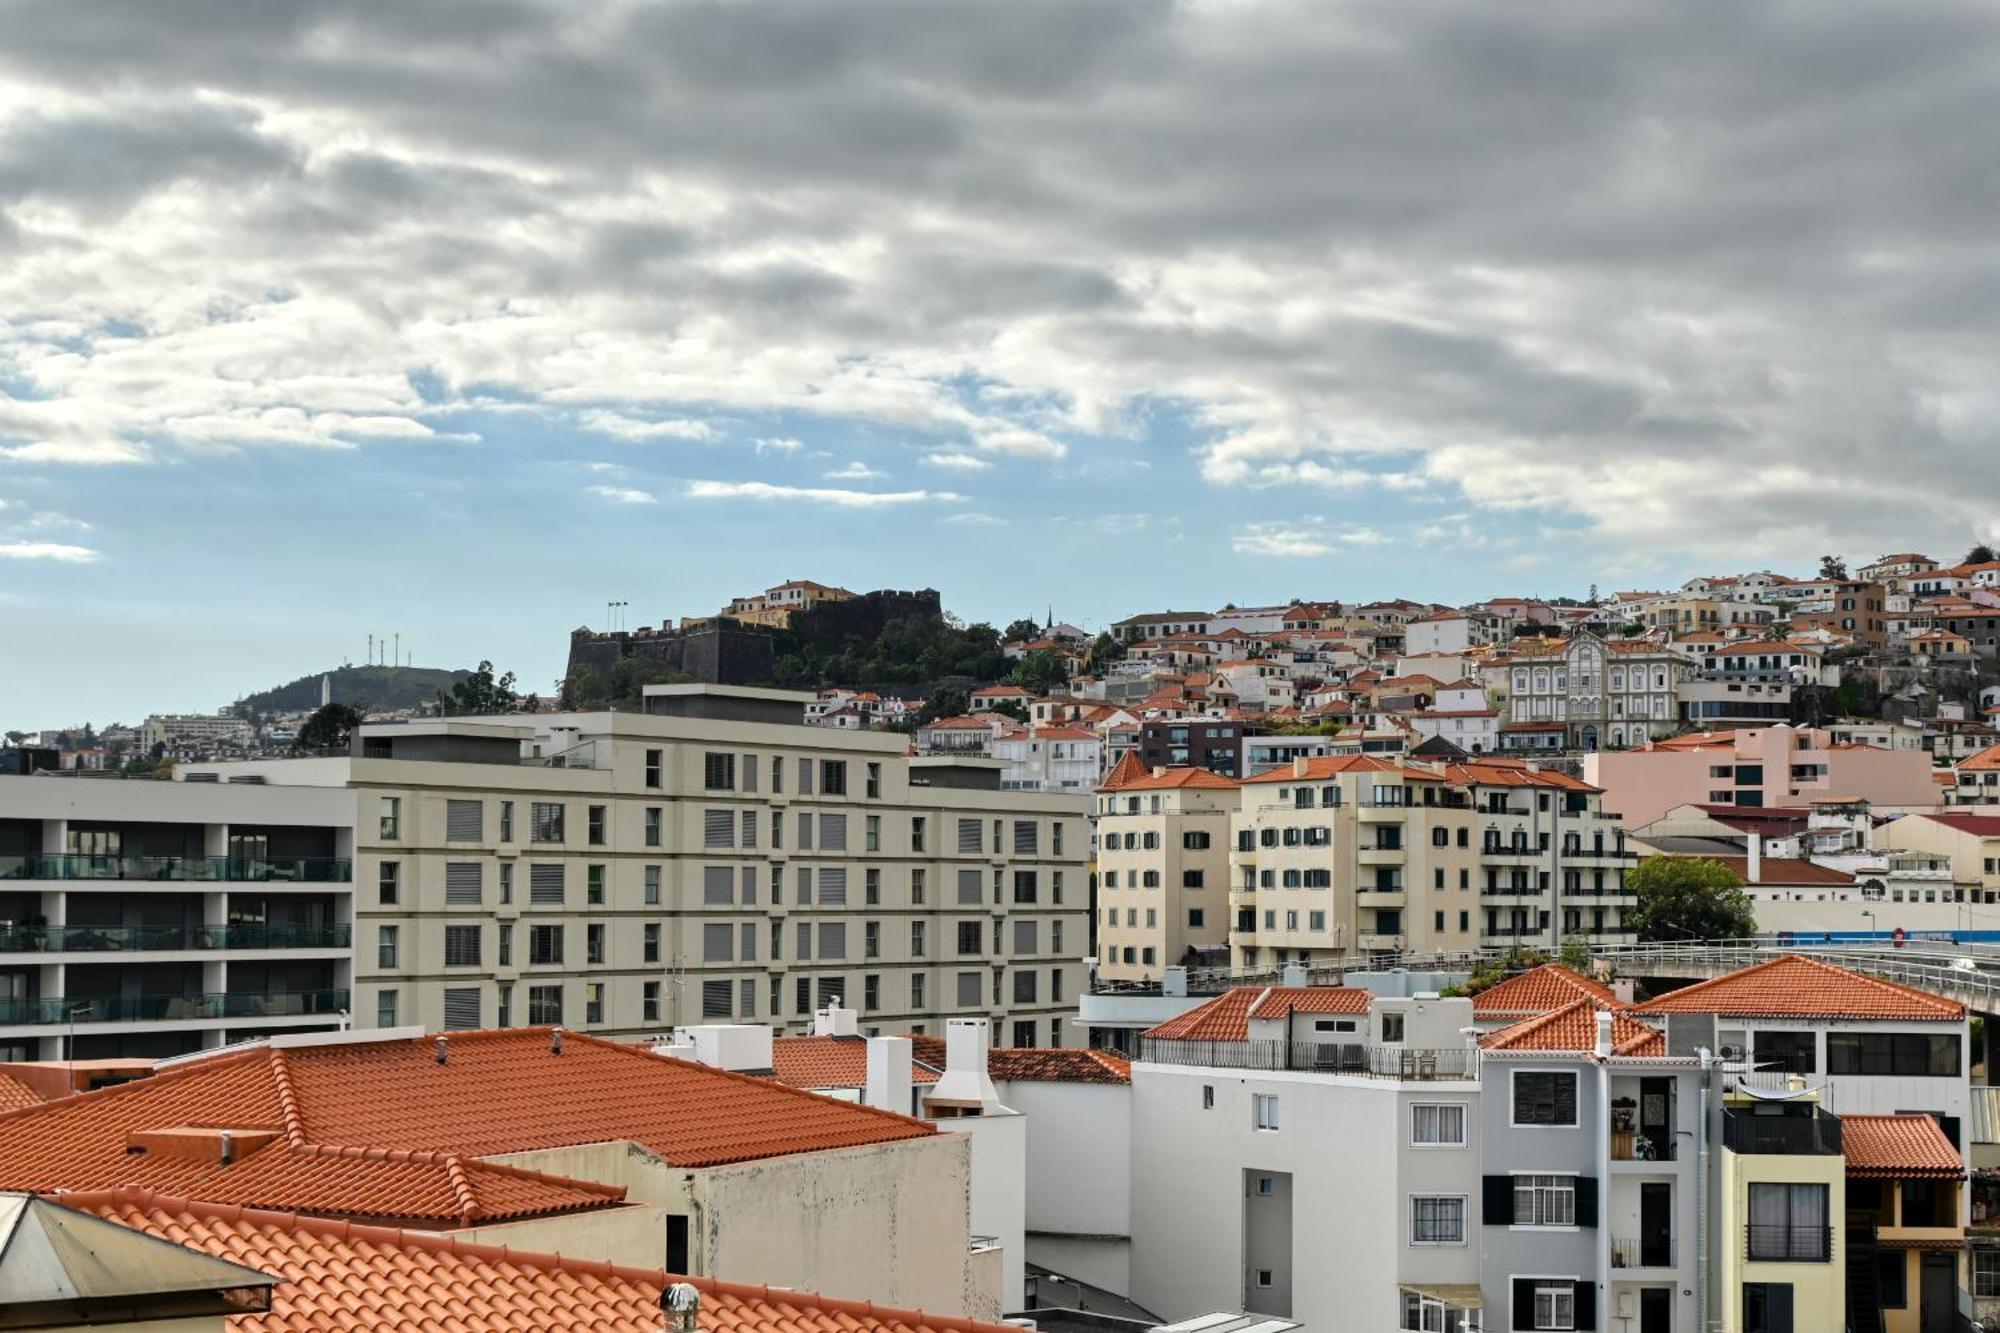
[(834, 1021), (226, 1150), (1299, 766), (441, 1048), (1754, 844), (965, 1088), (1603, 1034), (680, 1303), (555, 1042), (889, 1076)]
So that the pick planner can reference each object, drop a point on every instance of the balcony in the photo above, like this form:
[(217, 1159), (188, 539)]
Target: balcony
[(1404, 1063), (1380, 943), (173, 1008), (1381, 856), (298, 869), (1630, 1252), (1800, 1131), (1781, 1243), (1393, 899), (166, 939)]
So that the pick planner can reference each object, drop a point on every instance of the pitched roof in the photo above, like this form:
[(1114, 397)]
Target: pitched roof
[(1538, 991), (1320, 767), (829, 1062), (1790, 986), (1981, 826), (1784, 870), (348, 1276), (1227, 1016), (1574, 1028), (381, 1129), (1166, 779), (1910, 1145), (1053, 1064), (1987, 758), (14, 1094)]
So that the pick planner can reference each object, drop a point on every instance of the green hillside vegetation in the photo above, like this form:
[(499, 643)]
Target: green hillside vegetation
[(372, 686)]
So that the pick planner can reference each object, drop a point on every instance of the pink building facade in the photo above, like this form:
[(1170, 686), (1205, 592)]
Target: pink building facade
[(1770, 766)]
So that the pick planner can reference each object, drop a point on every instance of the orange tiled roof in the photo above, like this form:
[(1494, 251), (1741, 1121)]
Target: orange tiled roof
[(352, 1277), (1987, 758), (830, 1062), (1320, 767), (15, 1094), (1793, 987), (1910, 1145), (1184, 776), (1227, 1016), (381, 1129), (1538, 991), (1574, 1028), (1037, 1064), (1784, 870)]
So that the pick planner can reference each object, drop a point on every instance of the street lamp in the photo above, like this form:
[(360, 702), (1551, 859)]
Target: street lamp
[(69, 1055), (1871, 920)]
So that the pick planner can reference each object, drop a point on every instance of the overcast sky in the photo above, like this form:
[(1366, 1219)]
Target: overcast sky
[(460, 320)]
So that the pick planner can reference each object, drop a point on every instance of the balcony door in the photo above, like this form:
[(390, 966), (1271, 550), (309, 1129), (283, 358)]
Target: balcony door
[(1656, 1224)]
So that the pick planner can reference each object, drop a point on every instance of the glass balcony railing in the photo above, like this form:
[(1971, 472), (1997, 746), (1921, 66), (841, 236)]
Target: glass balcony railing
[(296, 869), (173, 1008), (130, 939)]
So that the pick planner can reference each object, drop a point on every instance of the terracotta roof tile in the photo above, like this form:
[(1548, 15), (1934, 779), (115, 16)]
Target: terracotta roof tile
[(1794, 987), (1227, 1016), (1053, 1064), (1888, 1146), (339, 1275), (1574, 1028), (1784, 870), (830, 1062), (1170, 779), (15, 1094), (1982, 826), (1539, 990)]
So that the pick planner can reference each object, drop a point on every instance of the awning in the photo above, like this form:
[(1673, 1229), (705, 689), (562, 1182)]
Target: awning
[(1458, 1295), (1916, 1243)]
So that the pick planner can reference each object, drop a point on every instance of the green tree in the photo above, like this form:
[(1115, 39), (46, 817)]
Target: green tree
[(1688, 898), (480, 694), (1104, 650), (945, 701), (585, 688), (329, 730), (1575, 954), (1980, 554), (1022, 630), (1040, 671), (1832, 567), (632, 675), (17, 738)]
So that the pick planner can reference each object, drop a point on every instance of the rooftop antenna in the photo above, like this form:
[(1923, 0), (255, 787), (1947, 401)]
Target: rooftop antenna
[(397, 660)]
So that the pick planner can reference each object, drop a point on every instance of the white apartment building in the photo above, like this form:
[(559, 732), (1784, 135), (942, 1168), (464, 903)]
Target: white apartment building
[(1063, 758), (711, 860), (196, 730), (1606, 692), (143, 919)]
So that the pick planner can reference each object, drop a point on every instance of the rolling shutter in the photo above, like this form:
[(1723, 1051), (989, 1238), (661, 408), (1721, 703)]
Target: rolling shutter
[(969, 888), (461, 1008), (833, 833), (1025, 840), (968, 836), (464, 821), (718, 828), (833, 886), (545, 882), (462, 882)]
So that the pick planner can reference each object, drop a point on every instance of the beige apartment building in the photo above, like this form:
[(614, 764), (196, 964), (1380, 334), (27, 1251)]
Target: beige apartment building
[(1162, 868), (712, 860), (1353, 854)]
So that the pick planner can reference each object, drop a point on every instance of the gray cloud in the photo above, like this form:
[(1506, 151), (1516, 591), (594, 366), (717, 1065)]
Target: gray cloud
[(1706, 276)]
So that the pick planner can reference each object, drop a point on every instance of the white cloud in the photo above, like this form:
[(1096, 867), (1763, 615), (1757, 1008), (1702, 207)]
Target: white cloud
[(781, 445), (856, 471), (48, 518), (1299, 540), (845, 499), (619, 426), (622, 495), (974, 519), (956, 462), (56, 551), (1016, 442)]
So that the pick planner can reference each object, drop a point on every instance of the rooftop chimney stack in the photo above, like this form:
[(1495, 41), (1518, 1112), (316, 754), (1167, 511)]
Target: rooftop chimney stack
[(555, 1042), (680, 1302), (889, 1074), (1754, 846), (1603, 1034), (441, 1048), (965, 1088)]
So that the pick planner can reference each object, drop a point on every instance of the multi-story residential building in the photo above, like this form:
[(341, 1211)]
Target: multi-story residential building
[(193, 731), (1976, 778), (711, 859), (1605, 692), (1712, 704), (1162, 869), (1323, 1156), (1215, 744), (1778, 765), (148, 919), (1854, 607), (1359, 854), (1049, 758), (1900, 565), (1970, 839), (1160, 625)]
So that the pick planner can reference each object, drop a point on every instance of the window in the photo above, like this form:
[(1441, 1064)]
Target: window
[(505, 931), (650, 1001), (968, 888), (464, 821), (833, 886), (1437, 1125), (385, 947), (917, 888), (872, 834), (653, 767), (1437, 1219), (385, 1009), (749, 782), (545, 1005), (1024, 988), (1027, 840), (506, 821), (718, 828), (1898, 1053), (871, 887), (593, 943), (652, 886), (871, 989), (655, 816), (874, 789), (545, 821), (718, 942), (1024, 886), (651, 947), (969, 839), (388, 882), (971, 940), (916, 833), (392, 818), (917, 991), (718, 886), (833, 777), (916, 939), (593, 1002), (1392, 1028), (593, 885), (715, 999), (832, 833), (1554, 1306), (461, 1008), (832, 941), (545, 883), (1545, 1201), (718, 772), (462, 883), (506, 881), (1786, 1052), (805, 830), (1544, 1098), (545, 945), (1264, 1110), (594, 825), (505, 1015), (969, 989), (1788, 1224), (1986, 1272), (1767, 1306), (871, 939), (461, 947)]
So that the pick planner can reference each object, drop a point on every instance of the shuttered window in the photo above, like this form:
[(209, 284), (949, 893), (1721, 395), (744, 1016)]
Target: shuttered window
[(718, 772), (833, 886), (545, 882), (833, 833), (545, 821), (749, 828), (749, 886), (747, 950), (461, 1008), (718, 941), (968, 988), (832, 990), (461, 946), (716, 882), (968, 836), (1024, 938), (718, 828), (715, 997), (463, 882), (464, 821), (832, 941), (968, 888), (1026, 839)]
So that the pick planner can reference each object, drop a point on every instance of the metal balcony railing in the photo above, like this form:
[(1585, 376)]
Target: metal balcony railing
[(299, 869), (1787, 1244), (130, 939), (1634, 1253), (1811, 1135), (1357, 1058), (173, 1008)]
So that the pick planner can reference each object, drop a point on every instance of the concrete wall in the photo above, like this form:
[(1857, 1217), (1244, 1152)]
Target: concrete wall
[(635, 1235), (1079, 1178), (999, 1144)]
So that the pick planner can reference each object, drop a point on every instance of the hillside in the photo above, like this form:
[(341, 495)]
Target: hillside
[(375, 686)]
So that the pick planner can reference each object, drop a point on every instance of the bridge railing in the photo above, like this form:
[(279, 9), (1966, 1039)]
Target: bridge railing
[(1960, 971)]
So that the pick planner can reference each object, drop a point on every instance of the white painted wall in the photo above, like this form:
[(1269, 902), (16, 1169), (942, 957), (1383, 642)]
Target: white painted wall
[(1079, 1178), (999, 1192)]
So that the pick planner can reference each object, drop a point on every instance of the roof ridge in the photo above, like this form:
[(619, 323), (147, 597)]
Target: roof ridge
[(139, 1197), (461, 1188), (1910, 992), (173, 1075), (288, 1099)]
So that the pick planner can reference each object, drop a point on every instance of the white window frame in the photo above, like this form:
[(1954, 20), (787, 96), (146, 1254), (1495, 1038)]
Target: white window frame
[(1264, 1111), (1464, 1126), (1559, 1319), (1549, 1184), (1512, 1101), (1464, 1209)]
